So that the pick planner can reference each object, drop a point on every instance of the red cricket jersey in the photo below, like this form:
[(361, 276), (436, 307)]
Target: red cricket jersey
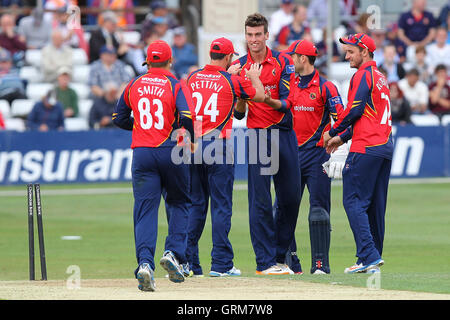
[(277, 76), (312, 104), (369, 111), (214, 94), (159, 103)]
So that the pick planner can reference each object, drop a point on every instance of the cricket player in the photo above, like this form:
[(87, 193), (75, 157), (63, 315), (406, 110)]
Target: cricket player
[(274, 128), (214, 92), (368, 165), (313, 100), (160, 105)]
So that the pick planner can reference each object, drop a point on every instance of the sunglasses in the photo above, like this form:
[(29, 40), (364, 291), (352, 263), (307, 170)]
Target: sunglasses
[(358, 41)]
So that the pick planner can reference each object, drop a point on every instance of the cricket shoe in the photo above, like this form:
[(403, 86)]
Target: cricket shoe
[(171, 265), (273, 271), (318, 271), (145, 278), (233, 272), (354, 268), (360, 268), (374, 266), (285, 268), (187, 272)]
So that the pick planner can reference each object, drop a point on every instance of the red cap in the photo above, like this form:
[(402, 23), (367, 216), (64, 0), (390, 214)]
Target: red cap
[(158, 51), (304, 47), (361, 40), (222, 45)]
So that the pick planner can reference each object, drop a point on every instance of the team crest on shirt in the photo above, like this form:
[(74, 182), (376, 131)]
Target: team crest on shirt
[(312, 96)]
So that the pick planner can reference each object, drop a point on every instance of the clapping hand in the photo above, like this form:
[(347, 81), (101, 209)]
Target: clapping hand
[(234, 69), (254, 71)]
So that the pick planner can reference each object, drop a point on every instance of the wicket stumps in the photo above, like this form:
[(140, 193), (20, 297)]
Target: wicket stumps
[(37, 191)]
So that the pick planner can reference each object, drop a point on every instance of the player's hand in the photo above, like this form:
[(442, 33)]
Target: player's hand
[(254, 71), (333, 144), (326, 138), (234, 69), (334, 166)]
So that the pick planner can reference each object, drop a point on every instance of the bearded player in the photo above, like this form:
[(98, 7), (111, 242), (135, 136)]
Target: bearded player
[(368, 165)]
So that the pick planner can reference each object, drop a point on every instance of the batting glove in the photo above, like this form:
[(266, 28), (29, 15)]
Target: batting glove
[(334, 166)]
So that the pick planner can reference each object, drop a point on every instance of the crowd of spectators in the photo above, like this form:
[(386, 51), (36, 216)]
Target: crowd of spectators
[(413, 52), (112, 60)]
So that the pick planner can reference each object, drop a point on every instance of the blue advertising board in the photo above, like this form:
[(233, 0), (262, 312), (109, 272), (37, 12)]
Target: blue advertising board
[(421, 152), (105, 155), (65, 157)]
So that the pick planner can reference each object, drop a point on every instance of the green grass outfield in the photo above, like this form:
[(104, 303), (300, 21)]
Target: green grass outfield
[(416, 252)]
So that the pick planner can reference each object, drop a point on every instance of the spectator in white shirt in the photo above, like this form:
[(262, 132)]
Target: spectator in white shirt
[(415, 91), (55, 55), (280, 18), (439, 51)]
